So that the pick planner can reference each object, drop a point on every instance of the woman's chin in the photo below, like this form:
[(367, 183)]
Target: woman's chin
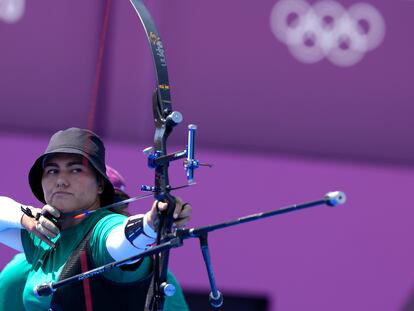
[(64, 206)]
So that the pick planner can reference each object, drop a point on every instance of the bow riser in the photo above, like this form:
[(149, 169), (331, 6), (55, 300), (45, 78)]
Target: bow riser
[(165, 119)]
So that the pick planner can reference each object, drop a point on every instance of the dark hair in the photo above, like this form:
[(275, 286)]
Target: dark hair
[(119, 196)]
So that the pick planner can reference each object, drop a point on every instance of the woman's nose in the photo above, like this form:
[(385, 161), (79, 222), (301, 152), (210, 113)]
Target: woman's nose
[(62, 181)]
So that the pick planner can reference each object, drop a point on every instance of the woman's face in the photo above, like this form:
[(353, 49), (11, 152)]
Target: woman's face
[(69, 183)]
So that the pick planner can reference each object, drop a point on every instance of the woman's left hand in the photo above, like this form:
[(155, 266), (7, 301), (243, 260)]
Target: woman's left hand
[(182, 213)]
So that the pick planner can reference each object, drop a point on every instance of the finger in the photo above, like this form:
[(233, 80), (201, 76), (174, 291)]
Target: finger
[(184, 214), (178, 208), (181, 222), (42, 237), (161, 206), (32, 226), (182, 210), (49, 225), (46, 232), (179, 200), (52, 210)]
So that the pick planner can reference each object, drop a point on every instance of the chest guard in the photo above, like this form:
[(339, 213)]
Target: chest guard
[(97, 293)]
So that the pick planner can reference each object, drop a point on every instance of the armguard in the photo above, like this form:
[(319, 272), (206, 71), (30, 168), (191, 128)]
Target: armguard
[(138, 232), (131, 238)]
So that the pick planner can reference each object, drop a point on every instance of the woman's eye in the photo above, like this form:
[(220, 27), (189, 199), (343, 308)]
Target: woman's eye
[(77, 170)]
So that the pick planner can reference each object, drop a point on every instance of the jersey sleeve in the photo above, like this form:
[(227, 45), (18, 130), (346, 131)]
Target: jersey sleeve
[(101, 256)]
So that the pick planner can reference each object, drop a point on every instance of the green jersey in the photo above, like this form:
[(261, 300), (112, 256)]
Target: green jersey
[(43, 264), (12, 282)]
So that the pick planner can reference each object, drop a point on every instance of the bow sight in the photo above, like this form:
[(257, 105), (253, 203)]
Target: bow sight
[(156, 159)]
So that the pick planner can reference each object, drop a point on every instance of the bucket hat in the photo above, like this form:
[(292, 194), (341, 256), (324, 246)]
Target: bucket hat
[(73, 141)]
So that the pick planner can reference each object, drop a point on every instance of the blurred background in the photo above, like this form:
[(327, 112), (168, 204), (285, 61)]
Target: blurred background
[(292, 99)]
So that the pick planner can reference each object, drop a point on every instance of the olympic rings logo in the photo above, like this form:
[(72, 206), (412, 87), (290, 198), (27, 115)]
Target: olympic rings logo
[(11, 11), (326, 29)]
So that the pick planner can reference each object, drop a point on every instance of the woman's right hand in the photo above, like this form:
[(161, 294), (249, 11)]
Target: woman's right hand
[(44, 228)]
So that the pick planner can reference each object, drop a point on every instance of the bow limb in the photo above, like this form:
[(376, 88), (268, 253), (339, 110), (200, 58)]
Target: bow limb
[(165, 119)]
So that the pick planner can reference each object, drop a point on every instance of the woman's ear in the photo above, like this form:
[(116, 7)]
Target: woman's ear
[(100, 189), (101, 185)]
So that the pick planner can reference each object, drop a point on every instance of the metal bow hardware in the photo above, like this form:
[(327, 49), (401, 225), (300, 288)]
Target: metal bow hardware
[(165, 120)]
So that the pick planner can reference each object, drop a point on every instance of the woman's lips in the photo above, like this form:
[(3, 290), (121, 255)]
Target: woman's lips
[(61, 193)]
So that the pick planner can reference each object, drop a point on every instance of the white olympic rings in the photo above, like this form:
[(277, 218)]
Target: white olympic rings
[(11, 11), (326, 29)]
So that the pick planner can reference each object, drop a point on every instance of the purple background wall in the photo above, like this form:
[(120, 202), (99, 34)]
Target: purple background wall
[(225, 64), (278, 132), (355, 257)]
